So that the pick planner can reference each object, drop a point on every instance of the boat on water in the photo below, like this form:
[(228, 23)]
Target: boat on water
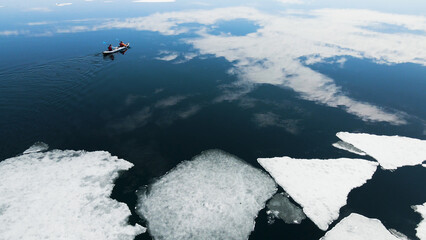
[(116, 49)]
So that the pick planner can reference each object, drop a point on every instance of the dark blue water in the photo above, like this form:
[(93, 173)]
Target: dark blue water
[(59, 89)]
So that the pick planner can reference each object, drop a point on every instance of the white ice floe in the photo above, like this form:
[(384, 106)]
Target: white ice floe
[(421, 228), (63, 195), (213, 196), (348, 147), (320, 186), (358, 227), (37, 147), (390, 151)]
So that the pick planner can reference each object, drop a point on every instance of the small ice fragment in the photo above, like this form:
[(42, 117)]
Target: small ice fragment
[(37, 147), (390, 151), (213, 196), (281, 207), (358, 227), (320, 186), (421, 227), (348, 147), (63, 195)]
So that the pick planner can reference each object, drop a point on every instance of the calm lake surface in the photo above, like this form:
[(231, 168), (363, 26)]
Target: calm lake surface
[(253, 79)]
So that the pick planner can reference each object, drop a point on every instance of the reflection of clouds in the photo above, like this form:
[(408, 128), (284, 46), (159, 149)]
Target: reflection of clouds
[(192, 110), (9, 33), (153, 1), (133, 121), (38, 9), (170, 101), (270, 119), (291, 1), (272, 54), (167, 56), (63, 4), (130, 99), (38, 23)]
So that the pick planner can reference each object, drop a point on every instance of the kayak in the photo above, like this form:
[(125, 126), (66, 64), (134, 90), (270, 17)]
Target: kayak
[(116, 49)]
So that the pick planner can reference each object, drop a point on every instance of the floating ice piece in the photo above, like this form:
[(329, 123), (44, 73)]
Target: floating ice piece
[(390, 151), (37, 147), (213, 196), (281, 207), (421, 228), (321, 187), (348, 147), (63, 195), (358, 227)]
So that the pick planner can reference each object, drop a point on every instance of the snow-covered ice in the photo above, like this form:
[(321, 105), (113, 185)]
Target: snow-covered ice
[(213, 196), (421, 228), (281, 207), (63, 195), (37, 147), (358, 227), (390, 151), (320, 186), (348, 147)]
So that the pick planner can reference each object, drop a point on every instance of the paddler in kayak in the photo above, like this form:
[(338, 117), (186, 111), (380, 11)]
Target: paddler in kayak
[(110, 47), (122, 44)]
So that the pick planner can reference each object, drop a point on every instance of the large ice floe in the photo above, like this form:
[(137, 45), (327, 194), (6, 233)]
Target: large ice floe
[(62, 195), (421, 228), (358, 227), (213, 196), (390, 151), (320, 186)]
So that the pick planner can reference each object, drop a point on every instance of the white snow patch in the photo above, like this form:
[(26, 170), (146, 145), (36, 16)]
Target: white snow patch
[(390, 151), (358, 227), (320, 186), (348, 147), (63, 195), (421, 228), (213, 196)]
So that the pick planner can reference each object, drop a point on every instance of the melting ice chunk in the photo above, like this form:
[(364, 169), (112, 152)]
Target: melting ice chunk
[(37, 147), (348, 147), (421, 228), (281, 207), (390, 151), (213, 196), (321, 187), (358, 227), (62, 195)]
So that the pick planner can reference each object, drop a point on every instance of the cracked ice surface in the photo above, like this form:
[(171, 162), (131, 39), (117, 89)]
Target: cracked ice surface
[(62, 195), (320, 186), (213, 196), (390, 151), (358, 227)]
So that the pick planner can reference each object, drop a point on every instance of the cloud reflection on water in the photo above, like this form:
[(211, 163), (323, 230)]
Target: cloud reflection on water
[(284, 45), (272, 54)]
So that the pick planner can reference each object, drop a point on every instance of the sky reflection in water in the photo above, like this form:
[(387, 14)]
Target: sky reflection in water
[(272, 54)]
